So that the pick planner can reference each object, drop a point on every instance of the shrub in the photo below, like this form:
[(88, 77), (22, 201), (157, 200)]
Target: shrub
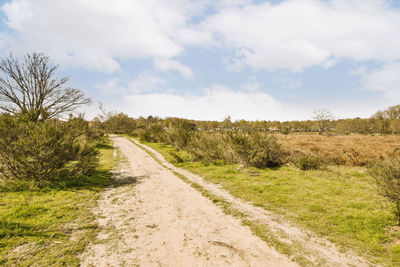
[(257, 150), (309, 162), (118, 123), (211, 148), (387, 177), (176, 157), (180, 134), (46, 150), (155, 133), (145, 136)]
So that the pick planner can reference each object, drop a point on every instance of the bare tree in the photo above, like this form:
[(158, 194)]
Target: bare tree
[(28, 86), (323, 118)]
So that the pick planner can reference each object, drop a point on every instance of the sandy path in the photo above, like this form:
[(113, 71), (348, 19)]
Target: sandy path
[(315, 248), (155, 219)]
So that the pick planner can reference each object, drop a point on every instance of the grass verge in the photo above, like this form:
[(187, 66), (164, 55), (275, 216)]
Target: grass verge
[(57, 224), (338, 203)]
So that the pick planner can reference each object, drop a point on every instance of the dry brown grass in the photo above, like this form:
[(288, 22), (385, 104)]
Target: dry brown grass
[(353, 149)]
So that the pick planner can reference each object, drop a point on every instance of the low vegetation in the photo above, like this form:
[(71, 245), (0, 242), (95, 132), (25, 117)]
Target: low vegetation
[(257, 150), (308, 162), (57, 224), (351, 142), (49, 173), (350, 150), (387, 178), (46, 151), (317, 179), (337, 202)]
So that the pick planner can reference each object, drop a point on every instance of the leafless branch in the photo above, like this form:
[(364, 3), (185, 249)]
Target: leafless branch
[(29, 86)]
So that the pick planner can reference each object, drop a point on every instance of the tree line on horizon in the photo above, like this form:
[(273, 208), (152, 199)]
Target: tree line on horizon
[(382, 122)]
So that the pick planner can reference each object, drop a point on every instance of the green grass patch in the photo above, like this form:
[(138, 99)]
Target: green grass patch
[(340, 203), (57, 224)]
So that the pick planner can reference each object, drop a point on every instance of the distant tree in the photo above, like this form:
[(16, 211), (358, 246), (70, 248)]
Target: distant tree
[(323, 117), (227, 123), (213, 125), (395, 126), (381, 122), (393, 112), (385, 122), (29, 87)]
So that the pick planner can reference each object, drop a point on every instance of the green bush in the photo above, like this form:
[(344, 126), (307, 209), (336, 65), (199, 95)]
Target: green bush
[(309, 162), (211, 148), (387, 177), (257, 150), (155, 133), (119, 123), (45, 151), (176, 157), (180, 133)]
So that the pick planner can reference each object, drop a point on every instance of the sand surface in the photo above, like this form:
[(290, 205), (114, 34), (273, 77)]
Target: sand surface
[(153, 218)]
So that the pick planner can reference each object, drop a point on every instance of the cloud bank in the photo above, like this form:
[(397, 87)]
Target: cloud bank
[(214, 103), (96, 34), (291, 35), (288, 37), (297, 34)]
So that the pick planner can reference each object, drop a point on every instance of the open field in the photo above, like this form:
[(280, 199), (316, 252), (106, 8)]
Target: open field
[(339, 202), (57, 224), (354, 149)]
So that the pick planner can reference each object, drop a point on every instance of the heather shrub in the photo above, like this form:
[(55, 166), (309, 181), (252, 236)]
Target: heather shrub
[(118, 123), (352, 150), (212, 148), (387, 177), (45, 151), (146, 136), (257, 150), (309, 162), (180, 134), (176, 158)]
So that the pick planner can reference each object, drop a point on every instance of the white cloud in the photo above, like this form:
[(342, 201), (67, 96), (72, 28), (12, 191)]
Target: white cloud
[(359, 70), (95, 34), (293, 35), (296, 34), (222, 4), (145, 82), (287, 82), (218, 101), (252, 85), (213, 104), (169, 64), (110, 87), (385, 79)]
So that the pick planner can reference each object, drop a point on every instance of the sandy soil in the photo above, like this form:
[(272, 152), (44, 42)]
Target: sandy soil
[(315, 249), (153, 218)]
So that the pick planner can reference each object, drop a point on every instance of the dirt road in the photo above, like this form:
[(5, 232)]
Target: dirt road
[(153, 218), (315, 250)]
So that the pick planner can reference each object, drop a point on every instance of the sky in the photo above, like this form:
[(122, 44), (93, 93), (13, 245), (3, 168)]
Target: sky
[(206, 59)]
